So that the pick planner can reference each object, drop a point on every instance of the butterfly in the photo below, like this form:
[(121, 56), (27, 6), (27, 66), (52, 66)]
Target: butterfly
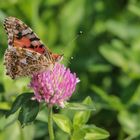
[(26, 54)]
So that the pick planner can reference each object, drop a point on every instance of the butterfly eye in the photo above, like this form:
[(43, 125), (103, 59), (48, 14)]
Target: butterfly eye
[(14, 69)]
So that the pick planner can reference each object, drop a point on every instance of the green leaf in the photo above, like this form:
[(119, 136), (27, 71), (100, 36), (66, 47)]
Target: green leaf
[(20, 100), (135, 97), (42, 115), (113, 55), (89, 132), (28, 111), (2, 88), (95, 133), (3, 112), (53, 2), (80, 107), (4, 106), (82, 117), (99, 68), (78, 134), (63, 122), (113, 101), (6, 122), (122, 29), (134, 9), (129, 121)]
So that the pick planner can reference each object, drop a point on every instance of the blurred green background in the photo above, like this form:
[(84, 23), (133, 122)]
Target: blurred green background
[(106, 58)]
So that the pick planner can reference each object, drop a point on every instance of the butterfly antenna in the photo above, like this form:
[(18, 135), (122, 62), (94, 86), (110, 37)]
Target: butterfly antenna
[(79, 34), (67, 59)]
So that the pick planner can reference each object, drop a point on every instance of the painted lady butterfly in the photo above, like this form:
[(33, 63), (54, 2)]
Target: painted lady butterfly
[(26, 54)]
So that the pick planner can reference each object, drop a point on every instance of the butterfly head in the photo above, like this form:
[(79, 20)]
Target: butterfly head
[(57, 57)]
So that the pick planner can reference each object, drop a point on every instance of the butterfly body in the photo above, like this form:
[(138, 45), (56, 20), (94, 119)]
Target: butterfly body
[(26, 54)]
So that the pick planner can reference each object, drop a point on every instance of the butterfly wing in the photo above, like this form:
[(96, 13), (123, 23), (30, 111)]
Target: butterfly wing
[(22, 62), (26, 53), (20, 35)]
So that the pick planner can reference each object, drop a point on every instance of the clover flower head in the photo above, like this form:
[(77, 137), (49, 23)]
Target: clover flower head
[(54, 87)]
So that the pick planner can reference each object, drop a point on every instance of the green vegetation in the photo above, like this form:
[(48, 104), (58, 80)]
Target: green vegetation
[(106, 58)]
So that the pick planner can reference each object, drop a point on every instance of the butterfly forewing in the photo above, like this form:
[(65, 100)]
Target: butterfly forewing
[(26, 54), (20, 35)]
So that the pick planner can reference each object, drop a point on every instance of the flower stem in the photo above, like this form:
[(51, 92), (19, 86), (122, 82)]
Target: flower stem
[(21, 132), (50, 123)]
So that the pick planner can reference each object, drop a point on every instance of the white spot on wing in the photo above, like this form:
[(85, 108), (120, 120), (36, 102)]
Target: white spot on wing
[(23, 61), (10, 46), (28, 53), (35, 43), (26, 31)]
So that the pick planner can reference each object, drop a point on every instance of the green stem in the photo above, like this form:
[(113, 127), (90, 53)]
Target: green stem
[(50, 123), (21, 132), (121, 134)]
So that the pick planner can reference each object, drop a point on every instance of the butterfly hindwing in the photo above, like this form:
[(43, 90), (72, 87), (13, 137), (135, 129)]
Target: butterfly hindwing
[(22, 62), (26, 54)]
